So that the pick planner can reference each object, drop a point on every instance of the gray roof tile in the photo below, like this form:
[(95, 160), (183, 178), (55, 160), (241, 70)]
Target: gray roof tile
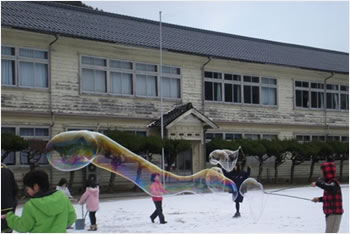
[(71, 21)]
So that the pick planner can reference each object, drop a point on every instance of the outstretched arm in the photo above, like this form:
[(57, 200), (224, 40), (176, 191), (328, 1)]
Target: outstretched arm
[(329, 187)]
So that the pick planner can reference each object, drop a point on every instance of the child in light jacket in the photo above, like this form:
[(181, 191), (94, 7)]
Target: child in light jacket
[(91, 198), (157, 190)]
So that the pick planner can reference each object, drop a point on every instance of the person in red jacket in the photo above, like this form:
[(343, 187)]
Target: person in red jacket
[(157, 190), (332, 197)]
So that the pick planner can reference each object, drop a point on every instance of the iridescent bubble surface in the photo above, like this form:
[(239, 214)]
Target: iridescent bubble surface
[(225, 158), (69, 151)]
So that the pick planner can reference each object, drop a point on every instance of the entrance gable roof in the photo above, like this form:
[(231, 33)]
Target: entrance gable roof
[(180, 112)]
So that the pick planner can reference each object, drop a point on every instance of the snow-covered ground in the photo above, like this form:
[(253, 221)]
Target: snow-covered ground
[(212, 213)]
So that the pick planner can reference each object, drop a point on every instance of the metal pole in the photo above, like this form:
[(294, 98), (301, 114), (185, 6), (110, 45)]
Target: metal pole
[(161, 94)]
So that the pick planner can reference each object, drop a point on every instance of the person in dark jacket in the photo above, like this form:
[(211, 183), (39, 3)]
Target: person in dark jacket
[(238, 176), (9, 191), (332, 197)]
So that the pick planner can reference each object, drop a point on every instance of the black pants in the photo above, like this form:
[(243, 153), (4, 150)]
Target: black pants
[(4, 226), (92, 215), (158, 211), (237, 207)]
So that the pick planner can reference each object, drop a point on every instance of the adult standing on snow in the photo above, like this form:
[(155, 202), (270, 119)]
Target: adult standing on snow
[(238, 176), (9, 191), (91, 197), (332, 197)]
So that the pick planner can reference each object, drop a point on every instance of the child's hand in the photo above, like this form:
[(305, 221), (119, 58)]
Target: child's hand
[(315, 199), (313, 184), (3, 216)]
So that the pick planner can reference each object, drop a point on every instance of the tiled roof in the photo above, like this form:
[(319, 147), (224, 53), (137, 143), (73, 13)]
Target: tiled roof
[(176, 112), (71, 21), (171, 115)]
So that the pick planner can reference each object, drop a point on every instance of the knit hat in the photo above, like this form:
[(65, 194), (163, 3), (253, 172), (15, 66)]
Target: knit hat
[(328, 169)]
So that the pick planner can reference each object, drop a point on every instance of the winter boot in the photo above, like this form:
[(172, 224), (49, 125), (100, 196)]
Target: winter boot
[(93, 228), (237, 215)]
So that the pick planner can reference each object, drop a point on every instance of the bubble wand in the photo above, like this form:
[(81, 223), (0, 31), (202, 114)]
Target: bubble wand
[(284, 195)]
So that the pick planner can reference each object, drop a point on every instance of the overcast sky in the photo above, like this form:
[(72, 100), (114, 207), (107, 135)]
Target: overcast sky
[(317, 24)]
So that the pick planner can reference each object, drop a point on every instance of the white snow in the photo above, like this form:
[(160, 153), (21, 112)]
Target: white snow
[(212, 213)]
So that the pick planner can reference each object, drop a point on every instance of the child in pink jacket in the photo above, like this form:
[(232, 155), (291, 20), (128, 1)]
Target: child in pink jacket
[(157, 190), (91, 197)]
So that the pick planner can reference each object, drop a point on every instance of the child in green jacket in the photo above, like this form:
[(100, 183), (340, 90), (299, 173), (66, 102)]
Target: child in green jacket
[(46, 211)]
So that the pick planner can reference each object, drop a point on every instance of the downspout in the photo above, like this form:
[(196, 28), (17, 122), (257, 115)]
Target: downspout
[(50, 96), (50, 85), (203, 110), (325, 104), (202, 70)]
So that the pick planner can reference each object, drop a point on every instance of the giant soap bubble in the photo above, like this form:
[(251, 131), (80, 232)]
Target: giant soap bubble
[(225, 158), (69, 151), (253, 191)]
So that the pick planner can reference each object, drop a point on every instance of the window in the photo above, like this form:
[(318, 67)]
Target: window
[(213, 91), (94, 77), (250, 90), (211, 136), (269, 137), (234, 88), (302, 94), (332, 96), (170, 87), (11, 157), (303, 138), (268, 91), (233, 136), (33, 133), (171, 82), (116, 77), (311, 95), (121, 83), (344, 97), (8, 66), (318, 138), (317, 95), (252, 136), (32, 67), (146, 85)]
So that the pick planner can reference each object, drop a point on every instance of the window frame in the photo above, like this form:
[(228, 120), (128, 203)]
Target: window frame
[(133, 72), (17, 58), (324, 90), (241, 83)]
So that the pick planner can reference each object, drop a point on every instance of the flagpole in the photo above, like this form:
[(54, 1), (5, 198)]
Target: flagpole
[(161, 94)]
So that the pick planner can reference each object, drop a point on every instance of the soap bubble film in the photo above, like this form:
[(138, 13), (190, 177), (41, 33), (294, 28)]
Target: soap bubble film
[(253, 191), (73, 150), (225, 158)]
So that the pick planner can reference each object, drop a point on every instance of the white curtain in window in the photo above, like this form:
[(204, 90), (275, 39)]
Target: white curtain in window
[(121, 83), (26, 74), (268, 96), (126, 83), (40, 75), (88, 80), (100, 81), (32, 74), (7, 70), (33, 53), (166, 87), (116, 86), (151, 86), (141, 85), (218, 92)]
